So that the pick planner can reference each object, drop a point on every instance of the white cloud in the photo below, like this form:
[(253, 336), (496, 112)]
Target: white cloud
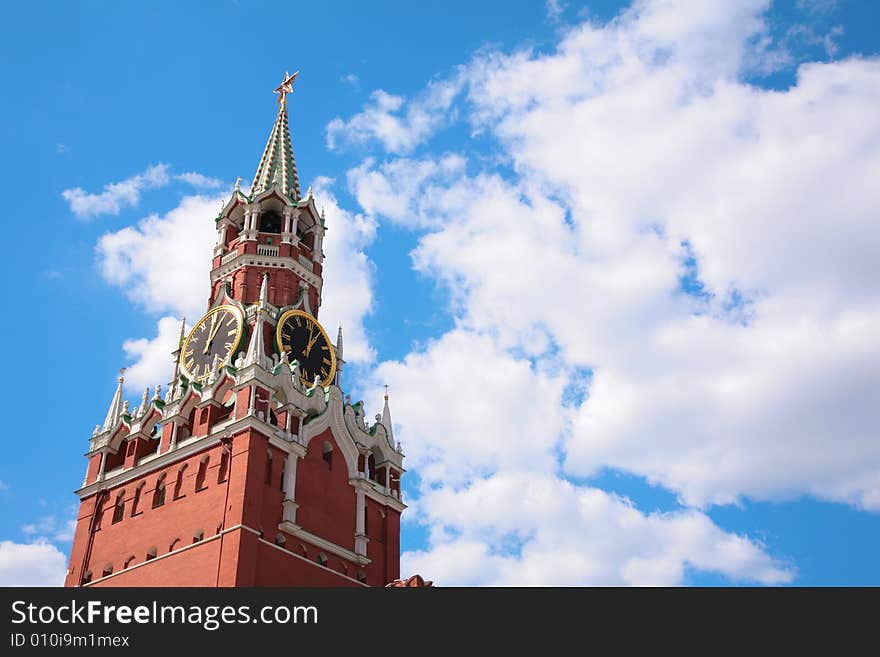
[(42, 526), (777, 392), (49, 526), (464, 408), (347, 294), (639, 158), (31, 564), (162, 262), (127, 193), (116, 196), (152, 357), (555, 9), (537, 530), (198, 180), (398, 132), (482, 428), (406, 191)]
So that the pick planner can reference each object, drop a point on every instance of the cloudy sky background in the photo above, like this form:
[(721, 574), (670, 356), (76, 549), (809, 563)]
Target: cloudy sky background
[(617, 263)]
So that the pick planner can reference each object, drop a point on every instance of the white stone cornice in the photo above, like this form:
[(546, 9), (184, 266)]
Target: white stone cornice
[(313, 563), (161, 461), (378, 496), (322, 543), (253, 260)]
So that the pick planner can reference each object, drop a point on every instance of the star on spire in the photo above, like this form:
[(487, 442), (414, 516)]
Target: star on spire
[(286, 87)]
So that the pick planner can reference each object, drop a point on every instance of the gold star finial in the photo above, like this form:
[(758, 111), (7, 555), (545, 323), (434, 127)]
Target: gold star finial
[(286, 87)]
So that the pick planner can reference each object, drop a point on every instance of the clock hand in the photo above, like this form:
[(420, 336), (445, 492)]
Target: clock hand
[(210, 334), (215, 326), (312, 343)]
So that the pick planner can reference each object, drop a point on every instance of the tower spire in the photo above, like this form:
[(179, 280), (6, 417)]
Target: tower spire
[(256, 351), (386, 419), (277, 165), (115, 410)]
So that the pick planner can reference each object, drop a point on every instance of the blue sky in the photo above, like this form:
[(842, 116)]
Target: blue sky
[(615, 261)]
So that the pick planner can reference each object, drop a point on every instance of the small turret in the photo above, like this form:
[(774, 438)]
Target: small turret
[(115, 410)]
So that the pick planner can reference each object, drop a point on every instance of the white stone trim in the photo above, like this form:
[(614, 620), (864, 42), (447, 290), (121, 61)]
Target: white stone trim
[(215, 537), (254, 260), (322, 543), (313, 563)]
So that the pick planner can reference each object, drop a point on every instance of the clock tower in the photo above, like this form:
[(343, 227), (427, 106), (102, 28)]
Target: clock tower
[(252, 467)]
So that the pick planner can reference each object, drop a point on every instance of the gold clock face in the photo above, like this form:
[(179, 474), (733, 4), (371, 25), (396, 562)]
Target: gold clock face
[(216, 335), (306, 341)]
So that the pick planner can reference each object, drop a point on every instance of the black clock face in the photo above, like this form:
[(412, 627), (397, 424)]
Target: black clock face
[(215, 336), (304, 340)]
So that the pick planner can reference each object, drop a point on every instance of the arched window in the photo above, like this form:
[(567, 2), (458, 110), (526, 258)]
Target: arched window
[(268, 468), (173, 543), (322, 559), (159, 492), (128, 561), (108, 570), (198, 536), (223, 470), (361, 576), (202, 473), (303, 550), (87, 577), (151, 553), (270, 222), (327, 454), (136, 501), (99, 514), (119, 508), (178, 484)]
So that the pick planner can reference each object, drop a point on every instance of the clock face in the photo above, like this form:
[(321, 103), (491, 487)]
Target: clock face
[(304, 340), (216, 335)]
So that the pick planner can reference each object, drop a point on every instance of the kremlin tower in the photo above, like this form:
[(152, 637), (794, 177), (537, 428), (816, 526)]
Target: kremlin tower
[(251, 467)]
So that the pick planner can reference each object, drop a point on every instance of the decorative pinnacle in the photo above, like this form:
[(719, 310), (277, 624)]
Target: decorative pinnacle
[(286, 87)]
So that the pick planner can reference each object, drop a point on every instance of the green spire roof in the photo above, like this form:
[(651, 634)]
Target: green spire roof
[(277, 165)]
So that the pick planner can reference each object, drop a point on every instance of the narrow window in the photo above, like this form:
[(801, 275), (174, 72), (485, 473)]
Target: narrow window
[(159, 492), (151, 553), (108, 570), (136, 501), (223, 471), (128, 561), (362, 576), (87, 577), (99, 516), (322, 559), (178, 484), (173, 543), (119, 508), (269, 468), (198, 536), (201, 474)]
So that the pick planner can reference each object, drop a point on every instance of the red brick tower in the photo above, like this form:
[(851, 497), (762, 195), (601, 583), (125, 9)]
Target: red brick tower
[(253, 469)]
